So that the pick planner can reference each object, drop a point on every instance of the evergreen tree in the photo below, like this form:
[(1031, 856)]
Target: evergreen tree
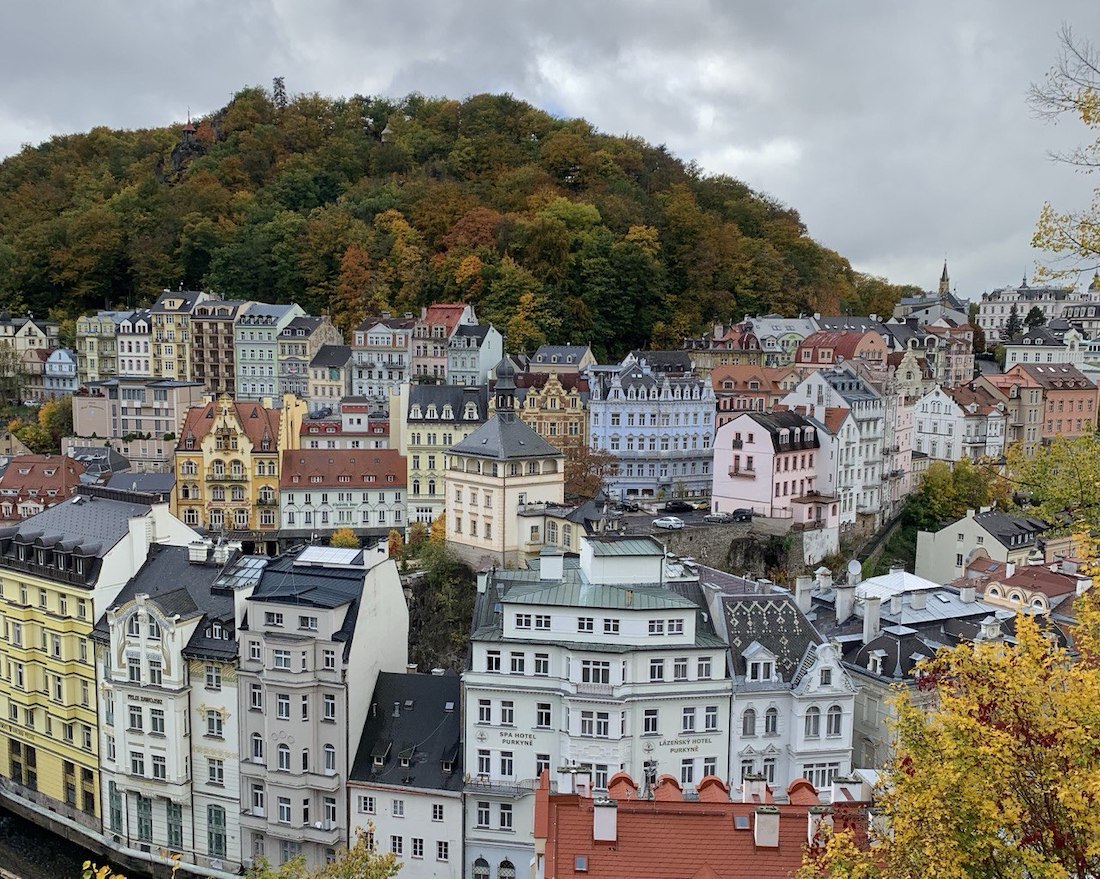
[(1013, 327), (1035, 317)]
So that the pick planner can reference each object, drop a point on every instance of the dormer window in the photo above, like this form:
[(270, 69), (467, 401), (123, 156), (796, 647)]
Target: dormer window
[(761, 670)]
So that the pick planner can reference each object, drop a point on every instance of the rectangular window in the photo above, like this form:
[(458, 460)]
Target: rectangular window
[(518, 663), (594, 671), (484, 762), (213, 677), (214, 724), (160, 767), (492, 660), (483, 814), (611, 627), (676, 626), (542, 715), (282, 706), (542, 622), (585, 624), (417, 847), (505, 816), (523, 621), (156, 721), (215, 771), (256, 697), (329, 659), (282, 659), (710, 718), (508, 713), (330, 707), (397, 808), (284, 810), (688, 720), (484, 711), (650, 722), (437, 812), (137, 721), (542, 664), (680, 669), (687, 771), (656, 670), (702, 670), (366, 805), (656, 627), (442, 850), (507, 764), (156, 672)]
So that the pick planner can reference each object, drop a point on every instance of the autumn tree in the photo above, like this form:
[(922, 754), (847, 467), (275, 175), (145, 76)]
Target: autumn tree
[(55, 417), (1062, 483), (1071, 89), (395, 543), (979, 334), (344, 538), (1000, 777), (12, 374), (361, 861), (588, 470)]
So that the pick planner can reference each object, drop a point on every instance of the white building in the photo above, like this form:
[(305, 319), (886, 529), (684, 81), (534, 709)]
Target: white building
[(942, 556), (793, 701), (502, 466), (256, 346), (382, 356), (59, 375), (995, 307), (318, 629), (608, 661), (133, 344), (406, 782), (962, 422), (168, 707), (860, 452), (472, 352), (1041, 345)]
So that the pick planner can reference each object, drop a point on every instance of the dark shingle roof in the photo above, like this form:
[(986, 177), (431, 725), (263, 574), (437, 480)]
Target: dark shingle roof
[(455, 396), (775, 622), (780, 421), (1013, 531), (475, 331), (179, 587), (504, 437), (159, 485), (428, 733), (331, 356)]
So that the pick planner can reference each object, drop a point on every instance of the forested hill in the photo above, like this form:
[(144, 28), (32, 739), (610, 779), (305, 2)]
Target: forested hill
[(552, 230)]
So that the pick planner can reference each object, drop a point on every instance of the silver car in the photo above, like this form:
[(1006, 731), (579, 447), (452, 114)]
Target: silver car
[(670, 522)]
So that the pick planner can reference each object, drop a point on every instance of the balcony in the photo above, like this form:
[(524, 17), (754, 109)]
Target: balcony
[(742, 473), (596, 689), (226, 477), (481, 784)]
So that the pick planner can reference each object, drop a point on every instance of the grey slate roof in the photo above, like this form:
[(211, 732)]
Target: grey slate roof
[(306, 322), (187, 298), (455, 396), (331, 357), (159, 484), (567, 355), (775, 622), (779, 421), (473, 331), (99, 459), (851, 322), (428, 732), (181, 587), (504, 437), (1012, 531), (665, 361)]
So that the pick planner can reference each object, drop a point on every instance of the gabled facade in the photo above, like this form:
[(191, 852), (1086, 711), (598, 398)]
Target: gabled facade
[(330, 373), (995, 307), (166, 658), (432, 334), (59, 374), (472, 353), (135, 344), (780, 336), (555, 404), (825, 349), (1023, 400), (740, 389), (960, 422), (608, 663), (59, 571), (227, 467), (24, 333), (316, 632), (1040, 345), (300, 341), (1069, 399)]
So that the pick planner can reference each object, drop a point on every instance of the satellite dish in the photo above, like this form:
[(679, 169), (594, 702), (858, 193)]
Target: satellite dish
[(854, 567)]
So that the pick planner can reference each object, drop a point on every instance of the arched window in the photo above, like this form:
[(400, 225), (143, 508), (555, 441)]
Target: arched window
[(813, 723), (330, 758), (832, 721), (431, 486), (189, 468), (219, 468), (506, 870), (748, 723), (771, 722), (416, 486), (284, 758), (552, 533), (257, 747), (481, 869)]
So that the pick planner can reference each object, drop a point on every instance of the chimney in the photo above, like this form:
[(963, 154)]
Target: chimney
[(410, 668), (819, 824), (918, 600), (897, 569), (824, 578), (551, 564), (872, 606), (438, 672), (803, 585), (895, 604), (605, 820), (754, 789), (967, 594), (197, 551), (850, 790), (396, 709), (765, 829), (266, 402), (845, 600), (221, 552), (1010, 569)]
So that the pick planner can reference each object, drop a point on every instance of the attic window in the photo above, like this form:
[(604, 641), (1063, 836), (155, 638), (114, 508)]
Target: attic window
[(379, 760), (580, 863), (740, 822)]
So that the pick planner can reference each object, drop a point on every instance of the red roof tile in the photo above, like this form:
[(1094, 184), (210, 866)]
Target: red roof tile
[(342, 468)]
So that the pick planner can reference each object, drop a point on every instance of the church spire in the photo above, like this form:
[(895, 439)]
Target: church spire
[(945, 281)]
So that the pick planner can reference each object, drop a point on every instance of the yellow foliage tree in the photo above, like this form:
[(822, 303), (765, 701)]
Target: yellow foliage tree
[(394, 543), (1002, 777), (438, 532), (1072, 87), (345, 538)]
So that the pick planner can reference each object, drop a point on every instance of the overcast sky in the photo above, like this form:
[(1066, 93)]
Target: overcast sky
[(898, 130)]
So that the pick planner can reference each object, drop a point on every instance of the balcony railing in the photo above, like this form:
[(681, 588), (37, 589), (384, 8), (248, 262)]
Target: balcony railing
[(596, 689), (742, 473)]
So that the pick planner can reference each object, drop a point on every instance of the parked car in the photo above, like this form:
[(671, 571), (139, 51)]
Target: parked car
[(629, 507), (742, 514), (677, 507), (718, 518), (670, 522)]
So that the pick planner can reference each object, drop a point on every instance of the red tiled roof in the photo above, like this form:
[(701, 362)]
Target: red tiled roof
[(834, 418), (842, 342), (668, 837), (965, 395), (741, 374), (568, 380), (31, 478), (256, 421), (446, 313), (1039, 578), (342, 468)]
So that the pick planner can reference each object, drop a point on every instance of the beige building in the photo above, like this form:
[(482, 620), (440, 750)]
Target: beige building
[(330, 373), (299, 342), (498, 469), (139, 417), (171, 318), (34, 373), (555, 405), (97, 345), (25, 333), (212, 362)]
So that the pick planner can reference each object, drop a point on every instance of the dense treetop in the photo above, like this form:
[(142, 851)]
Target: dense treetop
[(553, 230)]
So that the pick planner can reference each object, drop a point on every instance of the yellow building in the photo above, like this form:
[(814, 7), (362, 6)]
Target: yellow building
[(227, 468), (59, 571)]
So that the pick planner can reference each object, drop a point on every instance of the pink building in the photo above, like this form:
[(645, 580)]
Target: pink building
[(769, 464), (431, 333)]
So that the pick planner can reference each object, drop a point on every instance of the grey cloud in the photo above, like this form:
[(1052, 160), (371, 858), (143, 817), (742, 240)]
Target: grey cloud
[(899, 131)]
